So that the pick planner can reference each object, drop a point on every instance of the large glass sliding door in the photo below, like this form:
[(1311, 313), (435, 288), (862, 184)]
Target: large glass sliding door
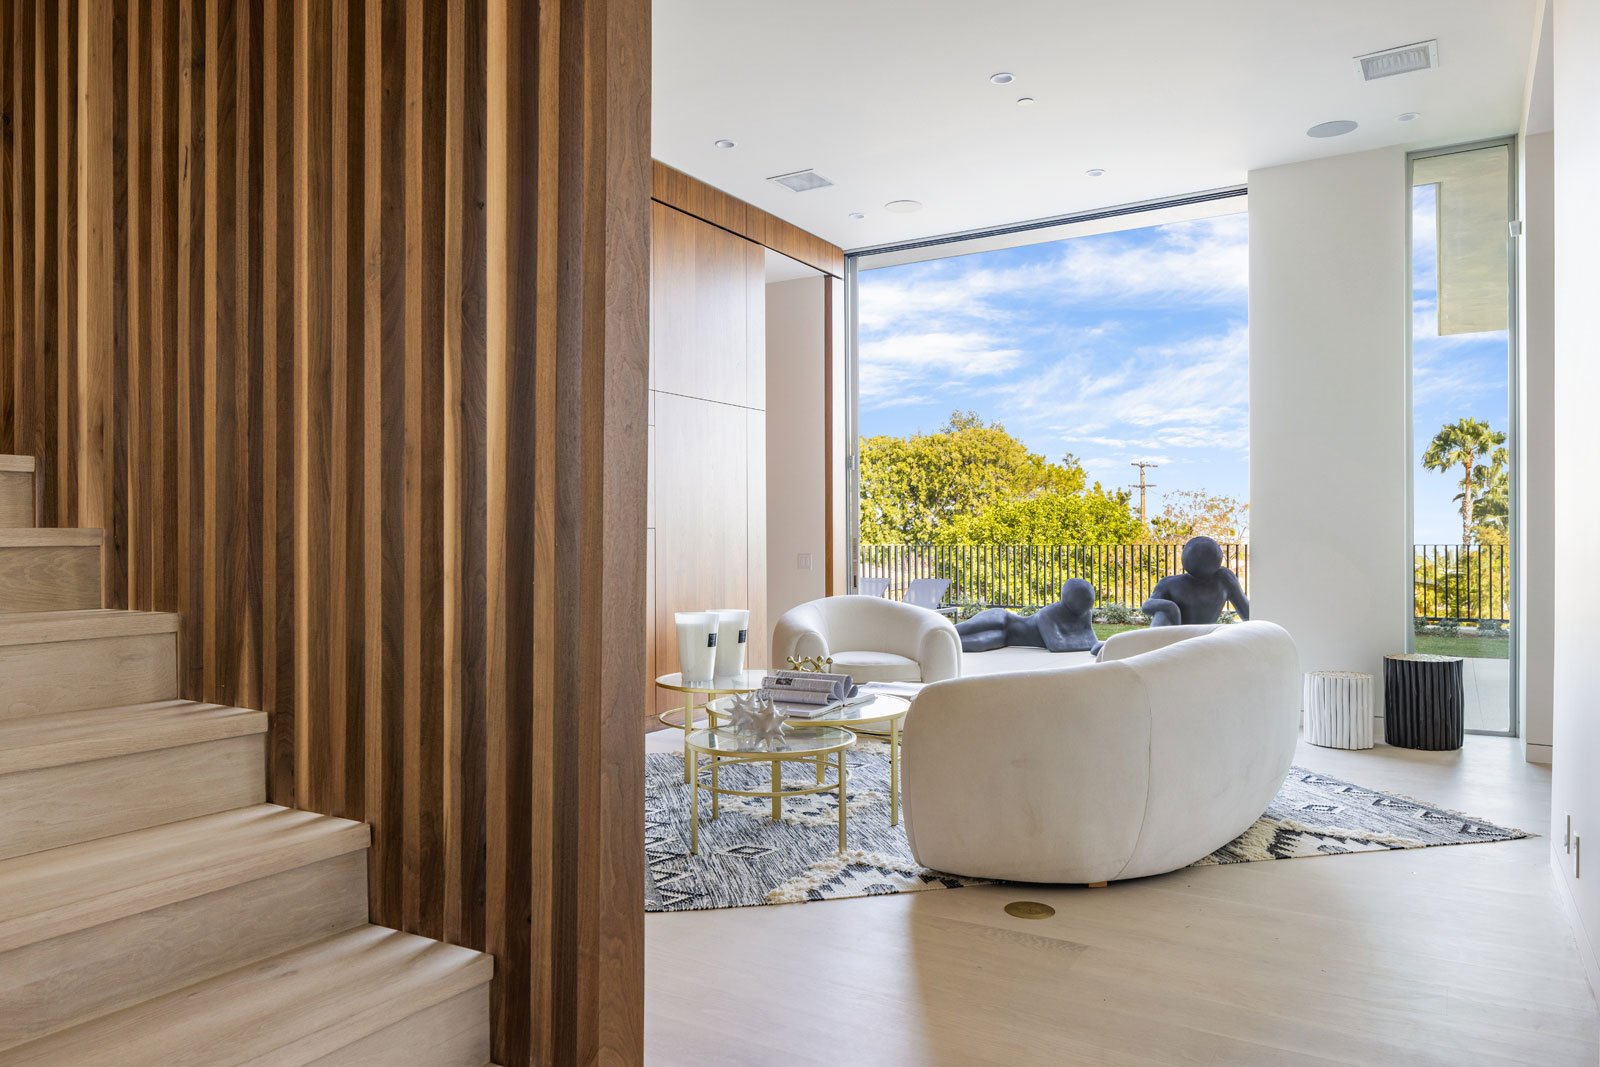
[(1464, 436)]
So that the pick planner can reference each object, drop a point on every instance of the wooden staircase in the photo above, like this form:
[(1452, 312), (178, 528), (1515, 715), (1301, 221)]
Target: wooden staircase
[(154, 910)]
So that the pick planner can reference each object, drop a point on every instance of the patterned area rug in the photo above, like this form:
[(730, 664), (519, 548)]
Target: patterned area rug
[(746, 858)]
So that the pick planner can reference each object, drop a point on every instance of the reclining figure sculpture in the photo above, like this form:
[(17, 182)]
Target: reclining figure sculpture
[(1196, 596), (1064, 626)]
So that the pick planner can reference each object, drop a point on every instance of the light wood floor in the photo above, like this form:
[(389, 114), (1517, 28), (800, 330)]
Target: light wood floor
[(1448, 956)]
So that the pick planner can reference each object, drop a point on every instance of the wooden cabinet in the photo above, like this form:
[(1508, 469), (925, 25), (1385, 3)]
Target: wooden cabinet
[(707, 495)]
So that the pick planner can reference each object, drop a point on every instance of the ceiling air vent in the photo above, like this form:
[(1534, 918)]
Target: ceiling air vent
[(801, 181), (1424, 55)]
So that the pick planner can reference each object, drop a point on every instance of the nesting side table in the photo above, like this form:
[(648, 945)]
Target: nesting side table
[(1338, 709)]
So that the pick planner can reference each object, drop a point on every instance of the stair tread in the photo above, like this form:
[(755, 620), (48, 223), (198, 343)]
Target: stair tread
[(24, 464), (49, 537), (45, 894), (39, 627), (281, 1012), (63, 737)]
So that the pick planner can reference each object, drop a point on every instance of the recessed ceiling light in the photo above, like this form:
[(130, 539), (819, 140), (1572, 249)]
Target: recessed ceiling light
[(1024, 101), (903, 207), (1336, 128), (858, 214), (1002, 78), (1407, 116), (724, 143), (1094, 172)]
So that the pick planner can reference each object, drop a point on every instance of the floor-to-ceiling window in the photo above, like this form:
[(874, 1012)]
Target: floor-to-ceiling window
[(1065, 402), (1463, 436)]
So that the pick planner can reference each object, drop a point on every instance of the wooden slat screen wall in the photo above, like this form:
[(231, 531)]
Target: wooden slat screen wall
[(280, 309)]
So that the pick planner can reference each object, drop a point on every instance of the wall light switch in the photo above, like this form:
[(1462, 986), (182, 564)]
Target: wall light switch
[(803, 561)]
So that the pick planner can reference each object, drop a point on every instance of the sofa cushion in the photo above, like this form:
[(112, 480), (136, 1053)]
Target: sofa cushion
[(877, 667)]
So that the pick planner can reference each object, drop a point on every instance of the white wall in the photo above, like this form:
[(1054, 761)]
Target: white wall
[(1576, 734), (1329, 407), (796, 475), (1537, 457)]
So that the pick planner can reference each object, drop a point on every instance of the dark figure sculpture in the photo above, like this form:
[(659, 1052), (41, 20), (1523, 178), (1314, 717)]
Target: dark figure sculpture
[(1196, 596), (1060, 627)]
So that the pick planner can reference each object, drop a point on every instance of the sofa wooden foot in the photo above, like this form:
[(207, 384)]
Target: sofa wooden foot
[(1097, 885)]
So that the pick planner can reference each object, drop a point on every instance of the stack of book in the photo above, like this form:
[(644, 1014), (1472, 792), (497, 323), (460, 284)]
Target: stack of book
[(806, 695)]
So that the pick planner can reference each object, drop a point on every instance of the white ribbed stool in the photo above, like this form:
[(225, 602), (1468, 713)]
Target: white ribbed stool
[(1338, 709)]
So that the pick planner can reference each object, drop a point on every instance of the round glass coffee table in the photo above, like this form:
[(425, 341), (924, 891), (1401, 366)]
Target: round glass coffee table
[(799, 744), (874, 715), (732, 685)]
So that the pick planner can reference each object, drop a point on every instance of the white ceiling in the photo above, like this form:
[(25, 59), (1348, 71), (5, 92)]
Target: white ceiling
[(891, 99)]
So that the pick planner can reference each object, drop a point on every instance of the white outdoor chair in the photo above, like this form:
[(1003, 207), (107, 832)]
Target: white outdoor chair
[(871, 586), (927, 593)]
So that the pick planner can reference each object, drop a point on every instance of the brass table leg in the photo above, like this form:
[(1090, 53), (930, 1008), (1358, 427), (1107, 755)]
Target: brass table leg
[(777, 785), (894, 771), (688, 725), (694, 810), (842, 803), (822, 766), (716, 797)]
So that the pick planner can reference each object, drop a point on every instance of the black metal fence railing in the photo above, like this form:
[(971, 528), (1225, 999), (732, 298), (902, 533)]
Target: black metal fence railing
[(1451, 583), (1025, 577), (1462, 583)]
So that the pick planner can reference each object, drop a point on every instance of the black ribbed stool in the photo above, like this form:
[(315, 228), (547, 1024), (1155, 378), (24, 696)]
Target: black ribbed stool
[(1424, 701)]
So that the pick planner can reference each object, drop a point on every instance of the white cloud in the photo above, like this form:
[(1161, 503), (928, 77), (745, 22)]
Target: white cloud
[(1201, 262), (897, 366)]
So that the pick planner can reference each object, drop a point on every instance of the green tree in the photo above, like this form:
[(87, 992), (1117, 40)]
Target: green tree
[(1197, 513), (1465, 443), (1093, 517), (913, 487), (1491, 509)]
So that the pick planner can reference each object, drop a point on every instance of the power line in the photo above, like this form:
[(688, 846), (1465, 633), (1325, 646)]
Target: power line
[(1144, 486)]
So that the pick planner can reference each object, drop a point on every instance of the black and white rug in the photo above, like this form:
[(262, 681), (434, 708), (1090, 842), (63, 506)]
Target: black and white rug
[(746, 858)]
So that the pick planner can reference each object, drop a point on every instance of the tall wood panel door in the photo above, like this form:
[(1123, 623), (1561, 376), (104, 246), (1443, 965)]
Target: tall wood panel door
[(334, 314), (707, 495)]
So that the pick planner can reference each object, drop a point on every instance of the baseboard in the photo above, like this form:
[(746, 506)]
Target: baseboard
[(1586, 952), (1538, 753)]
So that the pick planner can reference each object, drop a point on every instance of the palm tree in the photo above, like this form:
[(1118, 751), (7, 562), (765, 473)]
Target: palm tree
[(1491, 509), (1463, 443)]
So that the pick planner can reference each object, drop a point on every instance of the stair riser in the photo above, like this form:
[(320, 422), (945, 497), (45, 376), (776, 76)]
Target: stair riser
[(98, 673), (69, 979), (452, 1034), (49, 578), (16, 498), (57, 806)]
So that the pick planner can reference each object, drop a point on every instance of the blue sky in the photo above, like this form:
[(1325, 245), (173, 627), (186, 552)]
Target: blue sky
[(1115, 347), (1460, 376)]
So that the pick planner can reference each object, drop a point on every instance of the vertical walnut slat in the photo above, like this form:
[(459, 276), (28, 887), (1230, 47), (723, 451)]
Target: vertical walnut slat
[(333, 316)]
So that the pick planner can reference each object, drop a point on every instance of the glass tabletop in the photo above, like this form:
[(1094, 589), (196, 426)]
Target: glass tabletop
[(744, 682), (796, 741), (872, 709)]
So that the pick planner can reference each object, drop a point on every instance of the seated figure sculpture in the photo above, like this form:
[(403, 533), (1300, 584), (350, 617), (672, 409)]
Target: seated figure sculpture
[(1196, 597), (1064, 626)]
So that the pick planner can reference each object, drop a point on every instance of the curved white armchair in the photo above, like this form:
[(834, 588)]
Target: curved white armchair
[(1112, 770), (871, 639)]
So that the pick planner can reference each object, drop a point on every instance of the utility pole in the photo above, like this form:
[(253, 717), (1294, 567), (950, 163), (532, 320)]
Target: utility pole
[(1144, 486)]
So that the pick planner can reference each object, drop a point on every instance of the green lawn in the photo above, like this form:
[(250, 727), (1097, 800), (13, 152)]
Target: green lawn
[(1470, 647), (1103, 630)]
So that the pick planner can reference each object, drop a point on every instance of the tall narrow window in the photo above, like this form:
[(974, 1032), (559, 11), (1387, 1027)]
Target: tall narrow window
[(1462, 362)]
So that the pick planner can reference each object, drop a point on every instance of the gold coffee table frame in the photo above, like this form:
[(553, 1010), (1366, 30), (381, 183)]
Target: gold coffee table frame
[(870, 717), (732, 685), (724, 747)]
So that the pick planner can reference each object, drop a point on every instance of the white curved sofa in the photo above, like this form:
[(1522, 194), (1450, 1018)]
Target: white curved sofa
[(871, 639), (1118, 769)]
